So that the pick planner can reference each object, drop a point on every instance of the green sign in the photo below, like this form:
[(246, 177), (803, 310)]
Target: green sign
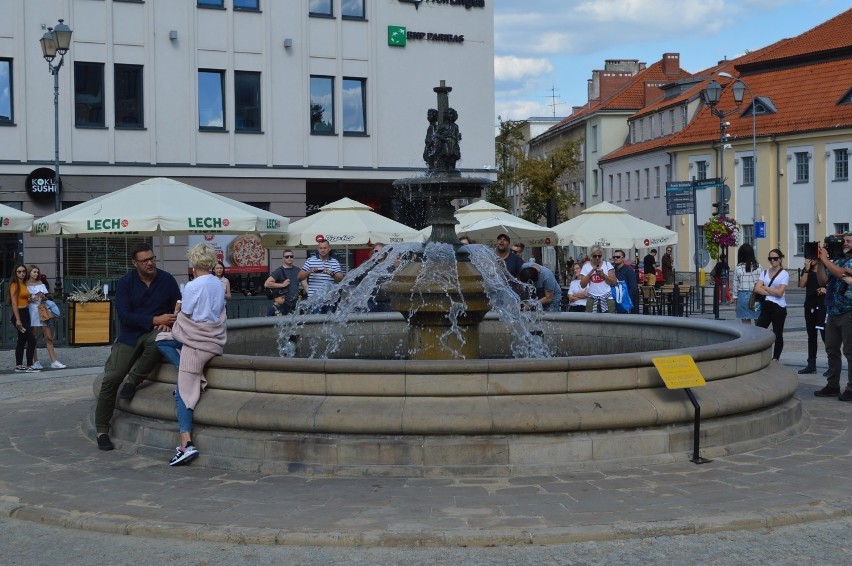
[(397, 36)]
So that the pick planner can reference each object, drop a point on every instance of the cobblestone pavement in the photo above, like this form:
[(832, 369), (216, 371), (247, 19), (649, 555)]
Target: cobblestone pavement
[(771, 505)]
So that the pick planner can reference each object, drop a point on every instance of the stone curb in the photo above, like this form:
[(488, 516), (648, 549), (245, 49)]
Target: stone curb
[(120, 524)]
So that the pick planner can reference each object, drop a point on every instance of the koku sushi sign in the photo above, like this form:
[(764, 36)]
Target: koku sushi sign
[(41, 184)]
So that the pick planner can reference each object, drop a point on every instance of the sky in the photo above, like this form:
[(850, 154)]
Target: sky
[(550, 47)]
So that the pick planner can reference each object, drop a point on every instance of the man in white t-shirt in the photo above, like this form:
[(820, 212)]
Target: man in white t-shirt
[(599, 276), (322, 271)]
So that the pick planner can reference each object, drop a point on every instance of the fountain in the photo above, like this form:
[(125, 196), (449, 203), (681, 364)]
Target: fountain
[(451, 389)]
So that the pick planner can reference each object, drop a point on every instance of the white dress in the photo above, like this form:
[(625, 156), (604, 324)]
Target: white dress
[(35, 319)]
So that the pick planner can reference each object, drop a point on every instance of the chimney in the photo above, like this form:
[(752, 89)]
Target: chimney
[(671, 64), (612, 81)]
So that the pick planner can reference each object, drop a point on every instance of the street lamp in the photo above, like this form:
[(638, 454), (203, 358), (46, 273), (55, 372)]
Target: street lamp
[(57, 40), (755, 209)]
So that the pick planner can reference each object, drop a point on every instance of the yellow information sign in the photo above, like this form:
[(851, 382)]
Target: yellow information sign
[(679, 372)]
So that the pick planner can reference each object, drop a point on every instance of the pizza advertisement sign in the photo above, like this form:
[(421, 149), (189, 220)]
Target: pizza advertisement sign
[(240, 254)]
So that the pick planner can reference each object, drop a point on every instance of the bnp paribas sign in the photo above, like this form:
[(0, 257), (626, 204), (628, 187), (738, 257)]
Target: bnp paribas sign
[(468, 4)]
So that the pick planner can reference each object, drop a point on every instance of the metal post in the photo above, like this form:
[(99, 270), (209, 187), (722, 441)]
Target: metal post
[(57, 203)]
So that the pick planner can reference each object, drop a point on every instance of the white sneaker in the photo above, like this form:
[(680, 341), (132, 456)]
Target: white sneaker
[(58, 365), (37, 365)]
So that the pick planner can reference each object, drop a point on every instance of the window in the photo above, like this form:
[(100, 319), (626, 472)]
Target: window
[(628, 186), (683, 112), (638, 185), (354, 106), (700, 242), (322, 104), (595, 182), (594, 139), (633, 132), (211, 3), (748, 234), (668, 177), (352, 9), (211, 99), (611, 188), (702, 169), (657, 181), (6, 116), (647, 183), (803, 235), (89, 95), (246, 101), (841, 164), (253, 5), (128, 97), (671, 121), (748, 170), (320, 8), (802, 169), (619, 186), (841, 227)]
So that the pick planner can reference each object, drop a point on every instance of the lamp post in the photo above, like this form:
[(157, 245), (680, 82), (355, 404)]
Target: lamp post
[(57, 40), (712, 94), (755, 209)]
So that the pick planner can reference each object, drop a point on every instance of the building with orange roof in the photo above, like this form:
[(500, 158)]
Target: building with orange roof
[(785, 154)]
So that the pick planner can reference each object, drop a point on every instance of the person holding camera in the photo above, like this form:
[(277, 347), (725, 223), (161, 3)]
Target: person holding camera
[(835, 273), (773, 284), (814, 311)]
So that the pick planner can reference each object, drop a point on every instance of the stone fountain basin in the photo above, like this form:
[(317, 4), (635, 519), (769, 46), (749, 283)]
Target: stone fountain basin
[(600, 403)]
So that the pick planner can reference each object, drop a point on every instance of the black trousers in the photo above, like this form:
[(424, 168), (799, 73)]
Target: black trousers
[(26, 340), (771, 313), (814, 316)]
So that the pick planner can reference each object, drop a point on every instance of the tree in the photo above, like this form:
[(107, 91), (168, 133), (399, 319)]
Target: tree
[(509, 150), (540, 176)]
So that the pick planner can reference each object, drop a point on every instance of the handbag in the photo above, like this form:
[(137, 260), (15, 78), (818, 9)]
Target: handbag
[(53, 307), (621, 296), (44, 313)]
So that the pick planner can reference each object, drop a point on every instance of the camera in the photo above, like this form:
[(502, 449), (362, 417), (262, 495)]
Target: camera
[(834, 246)]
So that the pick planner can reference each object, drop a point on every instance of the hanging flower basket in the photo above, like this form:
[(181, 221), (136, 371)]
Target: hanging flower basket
[(720, 231)]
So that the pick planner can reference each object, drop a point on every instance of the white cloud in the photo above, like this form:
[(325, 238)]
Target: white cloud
[(521, 109), (511, 68)]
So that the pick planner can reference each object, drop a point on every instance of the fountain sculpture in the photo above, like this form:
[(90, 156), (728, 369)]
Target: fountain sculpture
[(385, 397)]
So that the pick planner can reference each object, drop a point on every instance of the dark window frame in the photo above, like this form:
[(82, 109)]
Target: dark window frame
[(221, 128), (255, 8), (10, 121), (120, 122), (363, 82), (329, 14), (210, 4), (346, 16), (322, 132), (240, 109), (94, 106)]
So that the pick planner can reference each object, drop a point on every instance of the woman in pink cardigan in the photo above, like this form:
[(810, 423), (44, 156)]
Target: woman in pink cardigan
[(198, 334)]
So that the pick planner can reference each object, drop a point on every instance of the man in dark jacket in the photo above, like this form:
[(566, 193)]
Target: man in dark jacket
[(624, 272)]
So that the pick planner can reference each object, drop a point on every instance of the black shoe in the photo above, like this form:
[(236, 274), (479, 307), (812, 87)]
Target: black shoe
[(846, 396), (825, 373), (828, 391), (128, 390), (807, 369), (104, 443)]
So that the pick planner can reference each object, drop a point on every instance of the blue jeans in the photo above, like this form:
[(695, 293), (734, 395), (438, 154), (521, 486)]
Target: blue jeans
[(171, 351)]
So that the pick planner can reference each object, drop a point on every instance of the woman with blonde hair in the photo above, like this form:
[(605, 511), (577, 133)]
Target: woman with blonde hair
[(19, 299), (198, 334), (773, 285), (38, 294)]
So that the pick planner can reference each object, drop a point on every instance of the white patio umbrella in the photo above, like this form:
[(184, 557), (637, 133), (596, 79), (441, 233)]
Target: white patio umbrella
[(14, 220), (610, 226), (344, 223), (159, 206), (483, 221)]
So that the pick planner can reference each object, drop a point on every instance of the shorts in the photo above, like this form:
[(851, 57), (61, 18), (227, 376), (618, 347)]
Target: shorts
[(743, 312)]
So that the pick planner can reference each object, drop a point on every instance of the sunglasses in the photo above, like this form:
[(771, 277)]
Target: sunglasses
[(618, 257), (376, 251), (596, 255), (770, 258), (289, 256), (21, 271), (151, 259)]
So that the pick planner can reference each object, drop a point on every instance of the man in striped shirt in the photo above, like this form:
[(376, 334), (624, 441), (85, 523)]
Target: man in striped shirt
[(321, 270)]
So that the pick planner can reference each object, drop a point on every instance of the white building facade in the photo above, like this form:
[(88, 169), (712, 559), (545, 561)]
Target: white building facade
[(283, 104)]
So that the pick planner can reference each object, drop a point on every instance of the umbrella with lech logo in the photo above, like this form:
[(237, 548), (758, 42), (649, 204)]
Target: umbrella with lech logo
[(159, 206)]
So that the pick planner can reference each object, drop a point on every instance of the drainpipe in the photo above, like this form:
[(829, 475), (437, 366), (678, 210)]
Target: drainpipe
[(778, 189)]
